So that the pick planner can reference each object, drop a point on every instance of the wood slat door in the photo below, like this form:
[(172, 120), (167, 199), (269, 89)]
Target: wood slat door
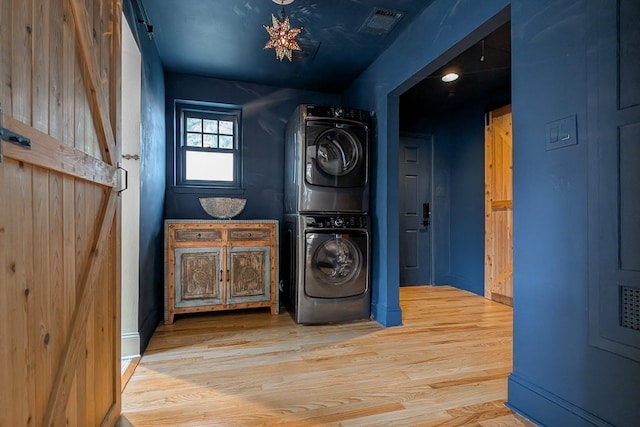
[(59, 213), (498, 268)]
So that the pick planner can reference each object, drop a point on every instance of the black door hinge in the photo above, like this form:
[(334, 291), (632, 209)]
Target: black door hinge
[(12, 137)]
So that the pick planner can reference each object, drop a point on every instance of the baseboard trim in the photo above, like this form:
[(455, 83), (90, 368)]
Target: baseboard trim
[(130, 345), (545, 408), (131, 365), (385, 316)]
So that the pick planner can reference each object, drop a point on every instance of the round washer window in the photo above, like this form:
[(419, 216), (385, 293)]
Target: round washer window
[(337, 152), (337, 261)]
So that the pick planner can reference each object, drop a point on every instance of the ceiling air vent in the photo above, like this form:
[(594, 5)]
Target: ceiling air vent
[(308, 52), (381, 21)]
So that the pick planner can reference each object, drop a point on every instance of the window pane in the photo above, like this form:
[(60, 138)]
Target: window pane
[(206, 166), (210, 126), (194, 140), (210, 141), (194, 125), (226, 127), (226, 141), (209, 147)]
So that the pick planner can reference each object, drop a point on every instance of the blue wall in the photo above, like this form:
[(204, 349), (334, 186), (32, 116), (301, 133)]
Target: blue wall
[(553, 361), (558, 379), (461, 140), (152, 182), (420, 50), (265, 112), (458, 193)]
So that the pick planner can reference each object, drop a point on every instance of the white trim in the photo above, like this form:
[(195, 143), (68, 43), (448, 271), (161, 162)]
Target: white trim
[(130, 345), (130, 219)]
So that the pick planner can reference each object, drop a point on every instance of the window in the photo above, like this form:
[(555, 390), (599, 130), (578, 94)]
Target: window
[(208, 146)]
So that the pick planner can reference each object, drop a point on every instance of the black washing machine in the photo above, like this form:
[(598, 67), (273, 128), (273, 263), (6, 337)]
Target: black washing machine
[(329, 278), (327, 160)]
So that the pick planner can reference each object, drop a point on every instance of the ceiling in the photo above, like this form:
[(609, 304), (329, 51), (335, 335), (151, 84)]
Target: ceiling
[(225, 39), (485, 77)]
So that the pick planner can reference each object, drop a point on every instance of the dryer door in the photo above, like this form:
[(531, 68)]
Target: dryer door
[(336, 154), (336, 264)]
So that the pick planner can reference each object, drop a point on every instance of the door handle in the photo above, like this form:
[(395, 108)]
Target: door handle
[(126, 178), (426, 214)]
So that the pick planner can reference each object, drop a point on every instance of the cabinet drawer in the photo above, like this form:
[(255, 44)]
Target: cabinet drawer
[(197, 235), (249, 234)]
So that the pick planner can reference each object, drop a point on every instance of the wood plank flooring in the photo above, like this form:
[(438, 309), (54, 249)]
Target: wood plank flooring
[(446, 366)]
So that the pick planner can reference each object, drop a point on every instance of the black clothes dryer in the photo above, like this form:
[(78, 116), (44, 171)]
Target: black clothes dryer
[(327, 160)]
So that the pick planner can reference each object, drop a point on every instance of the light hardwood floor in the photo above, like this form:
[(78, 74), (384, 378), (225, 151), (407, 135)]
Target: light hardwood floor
[(446, 366)]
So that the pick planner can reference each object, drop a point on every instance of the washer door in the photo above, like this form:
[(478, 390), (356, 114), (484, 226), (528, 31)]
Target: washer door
[(336, 264), (336, 155)]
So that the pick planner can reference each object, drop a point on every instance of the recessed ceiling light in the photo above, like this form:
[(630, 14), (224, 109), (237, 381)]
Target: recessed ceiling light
[(450, 77)]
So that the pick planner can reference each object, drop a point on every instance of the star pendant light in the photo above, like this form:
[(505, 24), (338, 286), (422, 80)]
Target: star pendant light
[(282, 37)]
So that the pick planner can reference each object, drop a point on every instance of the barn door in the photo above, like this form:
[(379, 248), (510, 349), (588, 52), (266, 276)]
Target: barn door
[(59, 207), (498, 266)]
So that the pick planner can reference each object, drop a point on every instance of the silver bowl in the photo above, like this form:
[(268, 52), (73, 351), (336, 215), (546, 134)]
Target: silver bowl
[(223, 207)]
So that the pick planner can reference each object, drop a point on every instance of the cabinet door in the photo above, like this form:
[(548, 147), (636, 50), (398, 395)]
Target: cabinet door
[(198, 279), (249, 274)]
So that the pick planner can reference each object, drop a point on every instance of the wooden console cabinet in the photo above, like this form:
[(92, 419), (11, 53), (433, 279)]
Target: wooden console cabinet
[(220, 265)]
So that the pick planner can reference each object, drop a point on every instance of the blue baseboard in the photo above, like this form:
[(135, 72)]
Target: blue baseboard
[(385, 316), (545, 408)]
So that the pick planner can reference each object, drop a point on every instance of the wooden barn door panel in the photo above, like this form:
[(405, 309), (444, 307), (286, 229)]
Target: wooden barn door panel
[(59, 210), (17, 395), (499, 207)]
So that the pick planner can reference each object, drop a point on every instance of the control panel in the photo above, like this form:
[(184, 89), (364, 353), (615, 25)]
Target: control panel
[(336, 221), (337, 113)]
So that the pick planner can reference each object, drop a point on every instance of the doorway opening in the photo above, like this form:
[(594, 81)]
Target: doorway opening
[(453, 114), (130, 213), (415, 201)]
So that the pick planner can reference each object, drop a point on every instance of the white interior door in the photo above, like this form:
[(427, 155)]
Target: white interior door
[(131, 90)]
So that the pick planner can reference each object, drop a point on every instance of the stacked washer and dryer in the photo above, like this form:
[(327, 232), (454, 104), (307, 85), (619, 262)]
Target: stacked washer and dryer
[(326, 215)]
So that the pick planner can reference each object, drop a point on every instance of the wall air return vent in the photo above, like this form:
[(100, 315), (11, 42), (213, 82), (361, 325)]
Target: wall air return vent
[(381, 21), (630, 307)]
